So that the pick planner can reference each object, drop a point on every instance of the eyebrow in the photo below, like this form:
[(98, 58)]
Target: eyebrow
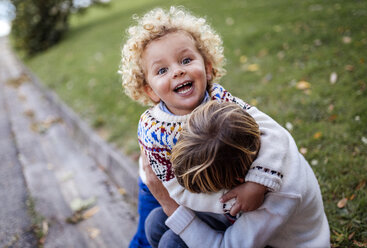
[(158, 61), (185, 50)]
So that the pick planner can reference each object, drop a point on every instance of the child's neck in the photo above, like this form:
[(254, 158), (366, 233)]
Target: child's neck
[(165, 109)]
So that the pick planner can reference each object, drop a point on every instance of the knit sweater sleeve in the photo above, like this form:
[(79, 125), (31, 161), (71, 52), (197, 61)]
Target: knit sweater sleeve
[(252, 229), (267, 169)]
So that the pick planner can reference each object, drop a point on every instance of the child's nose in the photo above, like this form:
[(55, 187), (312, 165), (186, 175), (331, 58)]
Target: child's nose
[(178, 72)]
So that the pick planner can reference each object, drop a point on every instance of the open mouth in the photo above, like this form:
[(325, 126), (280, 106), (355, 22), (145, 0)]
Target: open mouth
[(183, 88)]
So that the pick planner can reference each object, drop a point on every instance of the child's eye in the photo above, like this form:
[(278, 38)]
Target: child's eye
[(162, 71), (186, 61)]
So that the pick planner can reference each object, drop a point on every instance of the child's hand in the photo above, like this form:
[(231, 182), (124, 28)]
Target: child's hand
[(249, 196)]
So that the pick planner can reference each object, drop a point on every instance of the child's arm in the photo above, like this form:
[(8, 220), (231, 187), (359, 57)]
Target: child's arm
[(265, 173), (267, 168)]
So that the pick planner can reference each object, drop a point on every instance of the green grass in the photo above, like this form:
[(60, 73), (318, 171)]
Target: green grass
[(289, 41)]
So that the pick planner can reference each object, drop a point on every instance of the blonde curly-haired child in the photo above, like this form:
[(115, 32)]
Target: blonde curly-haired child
[(172, 60)]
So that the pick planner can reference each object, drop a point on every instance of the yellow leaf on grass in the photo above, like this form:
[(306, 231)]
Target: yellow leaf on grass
[(243, 59), (317, 135), (303, 150), (303, 85), (253, 67), (253, 102), (361, 185), (342, 203)]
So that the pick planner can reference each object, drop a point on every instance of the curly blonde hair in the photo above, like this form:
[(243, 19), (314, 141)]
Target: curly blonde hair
[(157, 23)]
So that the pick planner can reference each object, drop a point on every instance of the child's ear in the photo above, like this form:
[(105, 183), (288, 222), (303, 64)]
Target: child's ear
[(152, 95), (209, 71)]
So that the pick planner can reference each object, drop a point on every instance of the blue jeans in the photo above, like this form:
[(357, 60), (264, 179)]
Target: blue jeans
[(146, 203), (159, 235)]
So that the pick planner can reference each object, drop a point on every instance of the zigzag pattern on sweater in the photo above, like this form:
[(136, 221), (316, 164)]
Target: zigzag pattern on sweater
[(157, 137)]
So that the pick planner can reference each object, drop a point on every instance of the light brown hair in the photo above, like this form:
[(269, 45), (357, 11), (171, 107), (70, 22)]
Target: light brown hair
[(216, 148)]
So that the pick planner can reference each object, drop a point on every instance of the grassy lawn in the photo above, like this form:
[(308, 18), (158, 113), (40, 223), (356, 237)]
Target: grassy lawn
[(301, 62)]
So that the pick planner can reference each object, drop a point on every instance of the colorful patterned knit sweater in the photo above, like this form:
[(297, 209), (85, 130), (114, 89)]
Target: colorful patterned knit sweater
[(159, 131)]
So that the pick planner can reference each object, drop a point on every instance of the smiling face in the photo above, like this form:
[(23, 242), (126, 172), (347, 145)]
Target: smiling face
[(176, 72)]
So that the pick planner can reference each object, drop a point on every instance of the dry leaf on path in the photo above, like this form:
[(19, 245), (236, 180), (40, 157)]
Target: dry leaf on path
[(93, 232), (122, 191), (90, 212)]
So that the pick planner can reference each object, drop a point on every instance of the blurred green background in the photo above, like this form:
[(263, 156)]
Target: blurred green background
[(301, 62)]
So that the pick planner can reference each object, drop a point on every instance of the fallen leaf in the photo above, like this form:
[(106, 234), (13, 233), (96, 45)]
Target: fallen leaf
[(93, 232), (50, 120), (361, 185), (263, 53), (333, 117), (359, 244), (122, 191), (243, 59), (333, 77), (351, 198), (79, 204), (349, 67), (317, 42), (347, 39), (16, 82), (44, 228), (330, 108), (29, 113), (90, 212), (317, 135), (350, 236), (253, 102), (303, 150), (303, 85), (253, 67), (314, 162), (281, 55), (81, 215), (289, 126), (342, 203)]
